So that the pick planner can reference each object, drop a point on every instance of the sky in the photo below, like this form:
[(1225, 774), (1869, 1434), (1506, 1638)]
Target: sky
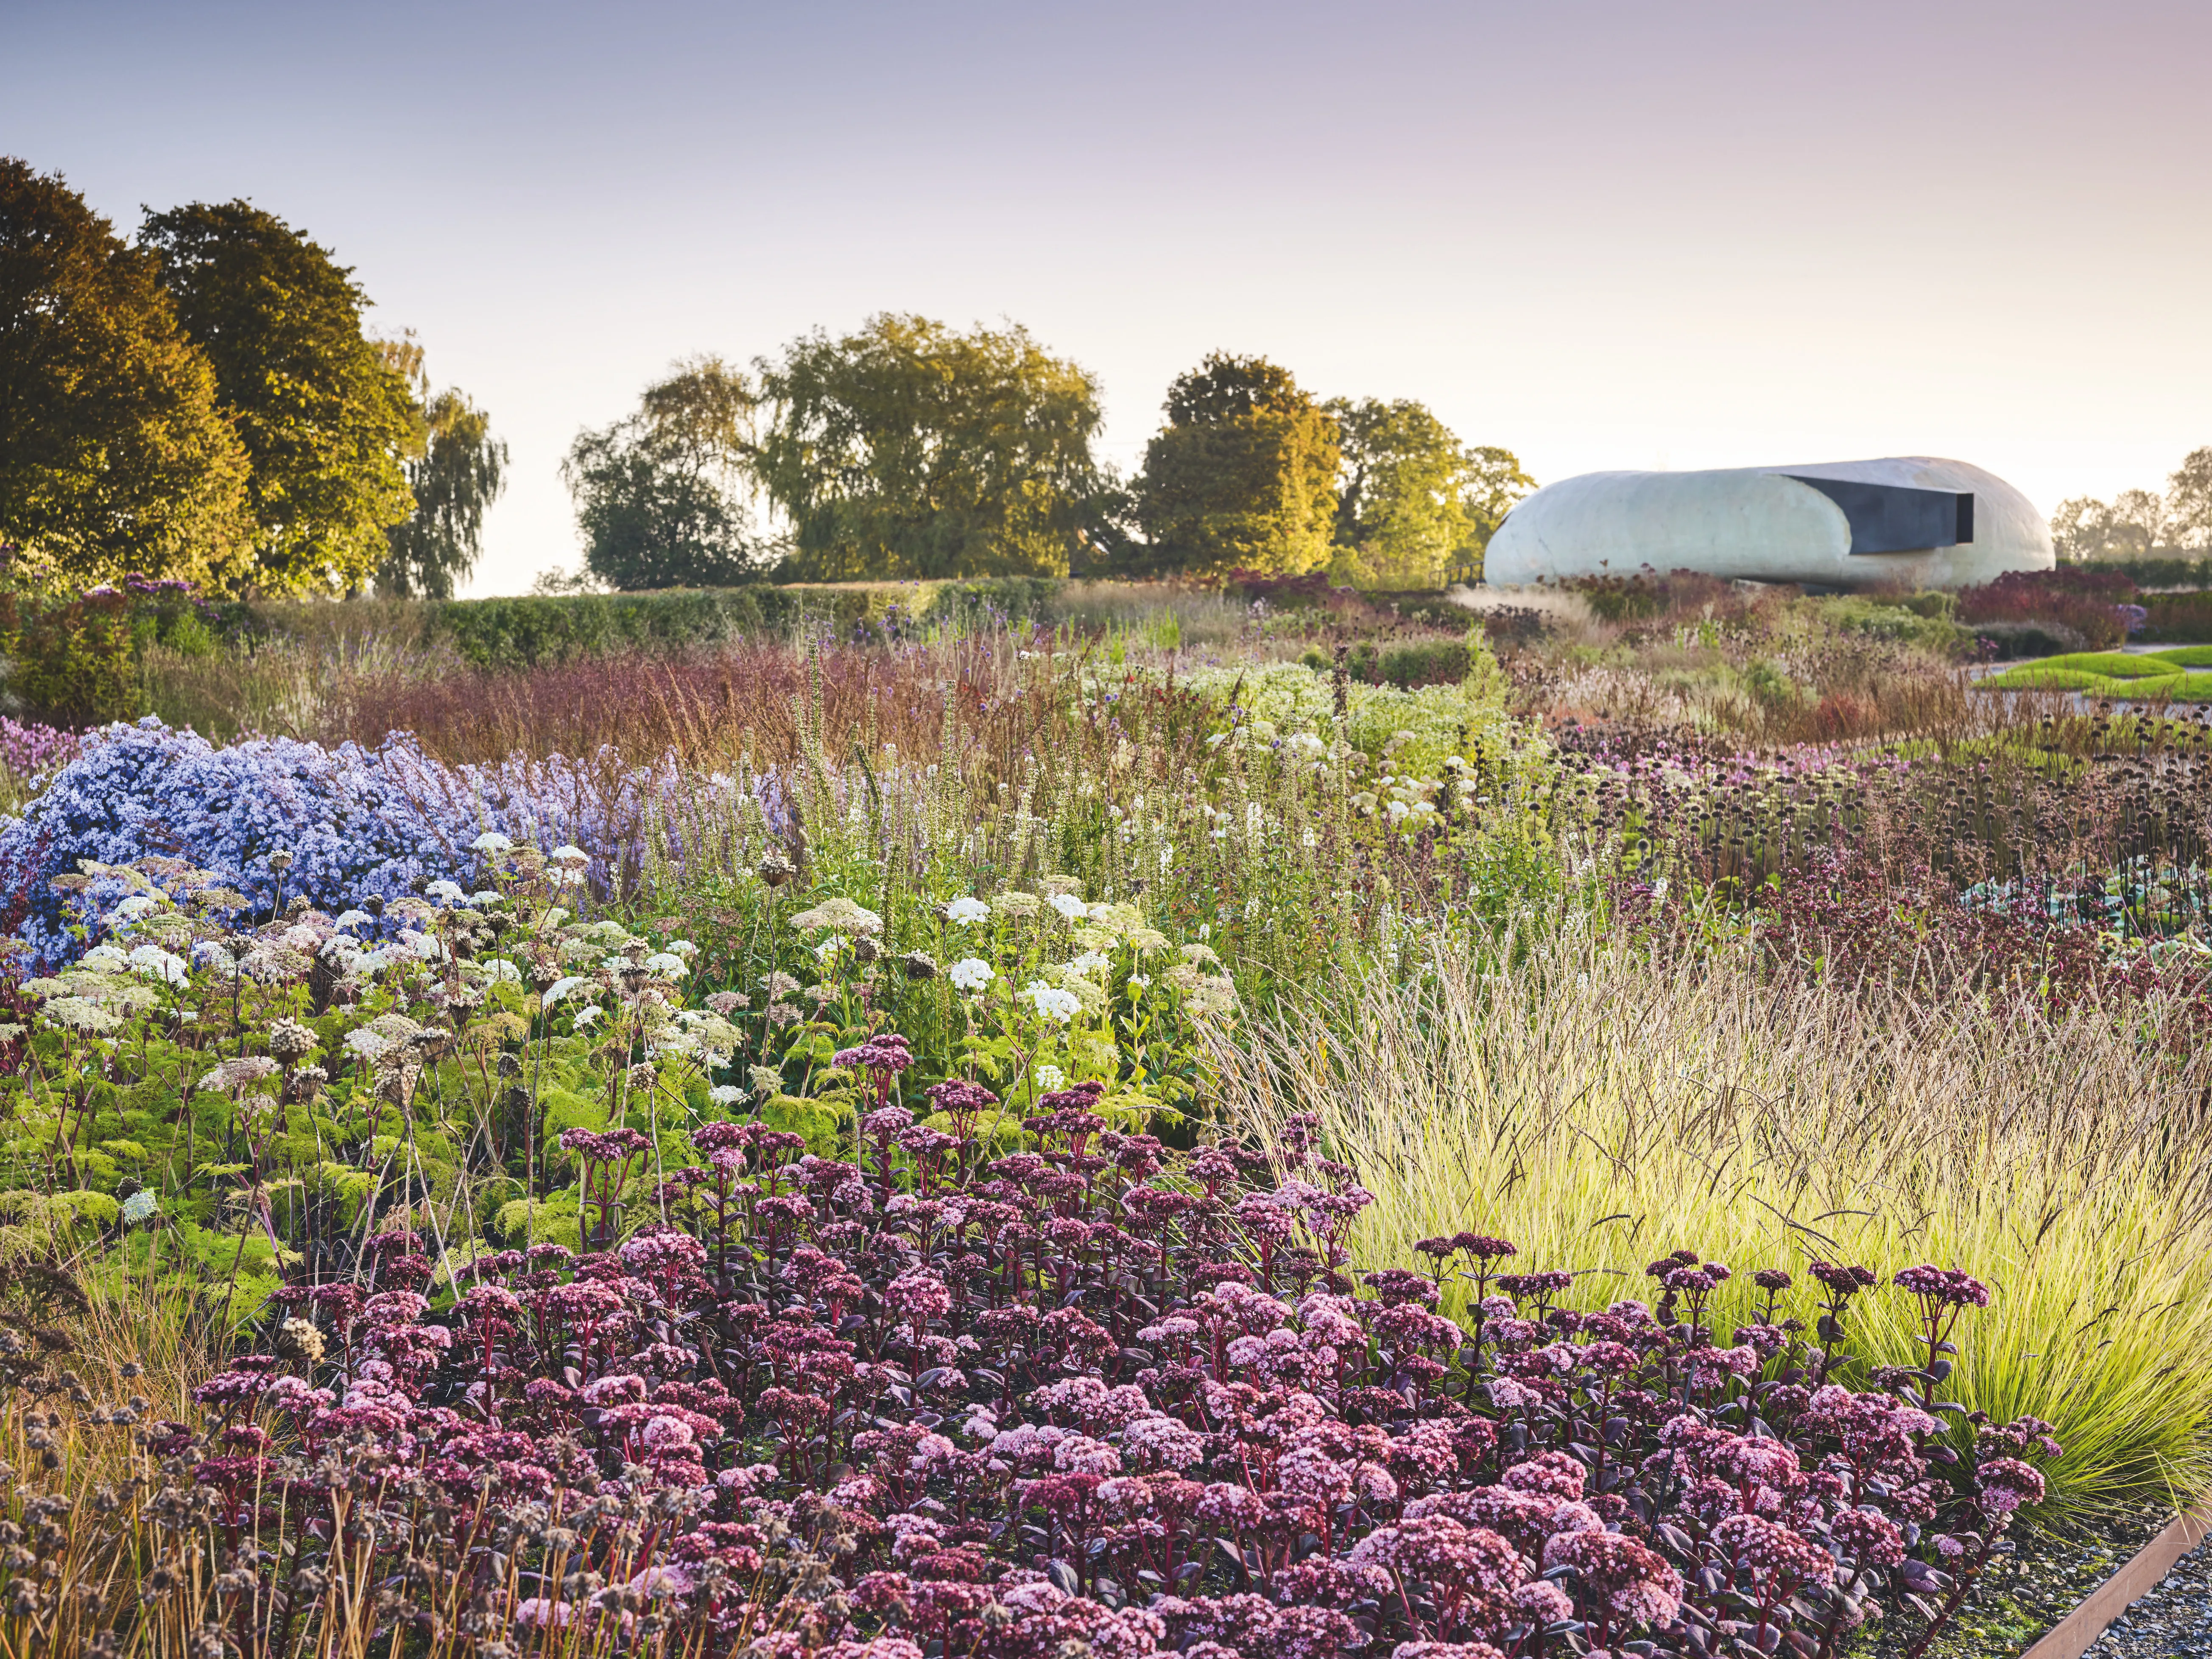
[(1599, 233)]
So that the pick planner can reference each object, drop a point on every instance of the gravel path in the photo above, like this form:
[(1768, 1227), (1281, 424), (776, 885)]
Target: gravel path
[(2174, 1619)]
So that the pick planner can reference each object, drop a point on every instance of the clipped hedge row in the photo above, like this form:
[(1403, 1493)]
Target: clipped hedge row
[(2173, 570), (524, 633)]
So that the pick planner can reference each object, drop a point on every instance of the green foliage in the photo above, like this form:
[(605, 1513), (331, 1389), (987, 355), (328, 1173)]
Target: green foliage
[(74, 660), (661, 495), (2039, 676), (326, 421), (521, 632), (2113, 664), (818, 1123), (1243, 476), (2177, 615), (1018, 598), (910, 450), (80, 660), (1920, 620), (114, 456), (459, 474), (1416, 507)]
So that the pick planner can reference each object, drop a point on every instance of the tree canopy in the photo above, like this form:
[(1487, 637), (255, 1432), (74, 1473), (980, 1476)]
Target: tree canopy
[(326, 422), (460, 473), (661, 495), (1415, 507), (910, 449), (1243, 474), (114, 456), (2137, 523)]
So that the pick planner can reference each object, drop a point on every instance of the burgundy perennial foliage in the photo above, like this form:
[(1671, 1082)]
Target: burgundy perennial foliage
[(1095, 1396)]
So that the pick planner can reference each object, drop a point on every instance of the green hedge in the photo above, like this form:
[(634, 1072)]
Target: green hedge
[(2172, 571), (2180, 617), (523, 633)]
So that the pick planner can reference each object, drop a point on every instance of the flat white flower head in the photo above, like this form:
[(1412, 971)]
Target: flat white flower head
[(154, 962), (665, 962), (1070, 906), (563, 988), (570, 853), (970, 974), (492, 841), (449, 892), (1051, 1002), (965, 912)]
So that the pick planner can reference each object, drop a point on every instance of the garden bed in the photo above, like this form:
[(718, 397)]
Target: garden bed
[(1014, 1141)]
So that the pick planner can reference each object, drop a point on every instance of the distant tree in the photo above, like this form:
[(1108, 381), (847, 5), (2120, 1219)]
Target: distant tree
[(1491, 484), (661, 495), (2081, 528), (114, 456), (1414, 505), (1243, 476), (2137, 523), (2189, 500), (459, 474), (909, 449), (327, 422)]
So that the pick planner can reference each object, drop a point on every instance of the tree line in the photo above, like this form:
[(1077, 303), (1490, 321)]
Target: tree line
[(202, 403), (2138, 524), (911, 449)]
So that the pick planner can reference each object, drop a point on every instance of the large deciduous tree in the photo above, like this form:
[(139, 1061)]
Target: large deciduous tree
[(327, 422), (2189, 499), (662, 494), (1243, 476), (459, 474), (114, 456), (910, 449), (1415, 506)]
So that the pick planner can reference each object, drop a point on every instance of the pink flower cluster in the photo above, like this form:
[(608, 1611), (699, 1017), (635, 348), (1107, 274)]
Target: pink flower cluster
[(1095, 1391)]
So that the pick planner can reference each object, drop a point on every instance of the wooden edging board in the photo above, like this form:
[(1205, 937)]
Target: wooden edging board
[(2069, 1638)]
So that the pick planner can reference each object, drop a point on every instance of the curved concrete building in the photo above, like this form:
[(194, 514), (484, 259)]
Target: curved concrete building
[(1910, 519)]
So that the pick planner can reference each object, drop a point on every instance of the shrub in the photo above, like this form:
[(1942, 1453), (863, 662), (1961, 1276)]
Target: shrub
[(2005, 641), (2180, 617), (2149, 572), (1647, 595), (2084, 599), (1910, 620)]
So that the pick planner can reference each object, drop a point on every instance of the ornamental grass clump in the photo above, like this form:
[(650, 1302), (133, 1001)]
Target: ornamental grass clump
[(1601, 1098), (940, 1396)]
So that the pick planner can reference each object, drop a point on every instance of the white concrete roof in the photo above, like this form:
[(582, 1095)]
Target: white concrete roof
[(1762, 524)]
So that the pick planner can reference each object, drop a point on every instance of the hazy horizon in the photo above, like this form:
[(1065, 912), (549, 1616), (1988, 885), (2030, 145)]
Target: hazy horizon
[(1600, 235)]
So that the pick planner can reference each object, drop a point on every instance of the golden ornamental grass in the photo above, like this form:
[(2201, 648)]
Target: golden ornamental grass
[(1600, 1109)]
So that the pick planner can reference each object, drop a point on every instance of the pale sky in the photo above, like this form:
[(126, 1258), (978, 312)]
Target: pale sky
[(1602, 234)]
